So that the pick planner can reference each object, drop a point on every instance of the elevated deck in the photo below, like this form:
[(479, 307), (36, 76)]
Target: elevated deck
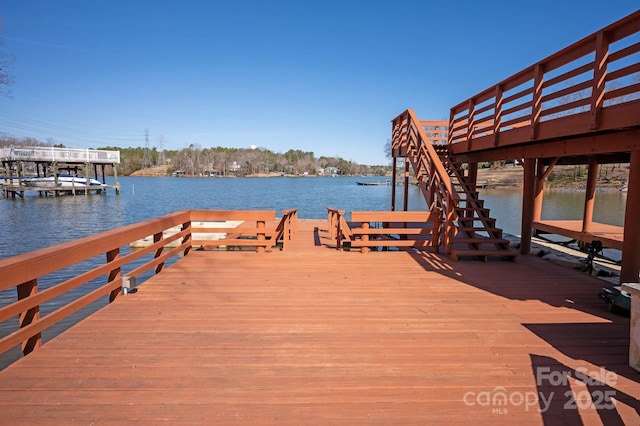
[(316, 335)]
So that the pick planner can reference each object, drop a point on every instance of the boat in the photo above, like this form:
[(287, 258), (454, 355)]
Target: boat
[(386, 182), (63, 181)]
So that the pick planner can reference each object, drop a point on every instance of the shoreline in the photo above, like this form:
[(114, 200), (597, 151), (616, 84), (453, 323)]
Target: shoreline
[(503, 177)]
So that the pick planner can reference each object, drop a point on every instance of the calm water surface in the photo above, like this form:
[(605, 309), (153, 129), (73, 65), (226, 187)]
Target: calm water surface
[(36, 222)]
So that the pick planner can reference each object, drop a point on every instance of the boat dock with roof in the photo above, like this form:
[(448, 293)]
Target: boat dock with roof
[(25, 169)]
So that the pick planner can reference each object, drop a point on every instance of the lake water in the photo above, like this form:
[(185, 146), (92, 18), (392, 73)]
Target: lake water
[(36, 222)]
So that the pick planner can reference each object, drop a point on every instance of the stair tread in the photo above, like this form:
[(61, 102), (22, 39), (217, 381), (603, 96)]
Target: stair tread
[(478, 229), (500, 252), (480, 240), (484, 209), (476, 218)]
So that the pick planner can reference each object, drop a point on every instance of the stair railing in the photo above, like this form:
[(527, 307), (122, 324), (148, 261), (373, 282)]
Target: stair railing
[(409, 139)]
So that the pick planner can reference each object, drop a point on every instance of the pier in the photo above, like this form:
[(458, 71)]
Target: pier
[(302, 332), (365, 317), (22, 163)]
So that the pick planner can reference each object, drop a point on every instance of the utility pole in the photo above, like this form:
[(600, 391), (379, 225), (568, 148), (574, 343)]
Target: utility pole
[(161, 150), (146, 160)]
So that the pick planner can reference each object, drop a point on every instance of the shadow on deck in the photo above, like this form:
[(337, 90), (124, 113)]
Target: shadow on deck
[(314, 335)]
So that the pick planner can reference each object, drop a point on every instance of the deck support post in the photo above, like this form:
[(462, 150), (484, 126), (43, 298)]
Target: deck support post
[(472, 179), (528, 201), (31, 315), (538, 196), (393, 184), (86, 177), (115, 179), (630, 267), (589, 201), (405, 200)]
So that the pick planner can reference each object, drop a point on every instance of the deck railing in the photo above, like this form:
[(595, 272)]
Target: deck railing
[(373, 229), (287, 227), (49, 153), (337, 227), (409, 139), (590, 86), (119, 267)]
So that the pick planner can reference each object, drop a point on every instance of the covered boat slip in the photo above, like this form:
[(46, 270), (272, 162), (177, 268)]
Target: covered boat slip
[(311, 334), (37, 168)]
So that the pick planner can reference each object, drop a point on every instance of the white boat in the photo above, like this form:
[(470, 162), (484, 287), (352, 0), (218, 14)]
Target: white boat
[(63, 181)]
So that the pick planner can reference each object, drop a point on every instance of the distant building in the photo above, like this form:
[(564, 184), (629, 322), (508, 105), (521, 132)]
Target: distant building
[(331, 171)]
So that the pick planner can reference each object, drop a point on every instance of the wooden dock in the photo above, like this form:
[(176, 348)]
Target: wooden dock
[(609, 235), (19, 191), (314, 335)]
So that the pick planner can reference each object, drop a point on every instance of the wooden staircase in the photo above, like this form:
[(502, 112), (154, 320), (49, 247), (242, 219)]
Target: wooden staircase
[(477, 234), (469, 230)]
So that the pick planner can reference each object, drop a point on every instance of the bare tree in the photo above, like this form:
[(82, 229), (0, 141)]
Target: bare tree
[(5, 60)]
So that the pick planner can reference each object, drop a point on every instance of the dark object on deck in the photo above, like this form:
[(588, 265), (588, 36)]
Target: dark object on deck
[(616, 298), (593, 249)]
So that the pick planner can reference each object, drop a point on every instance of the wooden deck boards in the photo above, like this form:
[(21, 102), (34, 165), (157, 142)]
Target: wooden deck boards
[(314, 335), (611, 236)]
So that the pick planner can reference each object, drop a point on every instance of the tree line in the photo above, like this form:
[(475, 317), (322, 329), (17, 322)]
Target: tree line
[(195, 160)]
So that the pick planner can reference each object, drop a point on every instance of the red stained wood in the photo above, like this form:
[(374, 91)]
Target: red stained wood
[(317, 335), (610, 235)]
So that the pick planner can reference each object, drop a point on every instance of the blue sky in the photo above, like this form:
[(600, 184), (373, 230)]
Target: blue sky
[(325, 76)]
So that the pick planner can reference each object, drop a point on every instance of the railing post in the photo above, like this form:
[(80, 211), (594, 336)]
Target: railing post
[(114, 274), (287, 230), (449, 227), (436, 231), (599, 76), (187, 238), (260, 224), (470, 122), (156, 238), (338, 229), (365, 238), (29, 316), (538, 79), (452, 120), (497, 120), (295, 224)]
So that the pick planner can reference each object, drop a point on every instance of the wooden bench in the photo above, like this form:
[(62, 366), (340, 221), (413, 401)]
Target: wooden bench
[(417, 229)]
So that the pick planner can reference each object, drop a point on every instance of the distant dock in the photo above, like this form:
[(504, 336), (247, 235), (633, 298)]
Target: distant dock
[(23, 163)]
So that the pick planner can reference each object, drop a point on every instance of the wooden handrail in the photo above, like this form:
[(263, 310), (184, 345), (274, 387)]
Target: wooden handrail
[(586, 87), (339, 230), (253, 231), (416, 229), (410, 139), (287, 227), (24, 271), (408, 120)]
